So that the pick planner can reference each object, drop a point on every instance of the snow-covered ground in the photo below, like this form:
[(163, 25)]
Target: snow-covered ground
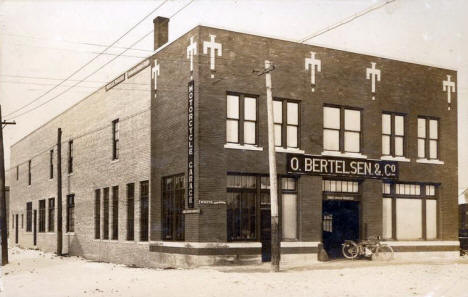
[(37, 274)]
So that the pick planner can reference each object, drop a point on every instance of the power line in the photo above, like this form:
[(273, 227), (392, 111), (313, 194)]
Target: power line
[(75, 42), (107, 63), (78, 51), (90, 61), (347, 20)]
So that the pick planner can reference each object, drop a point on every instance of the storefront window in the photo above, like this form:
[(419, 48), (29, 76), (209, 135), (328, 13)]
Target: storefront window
[(405, 203)]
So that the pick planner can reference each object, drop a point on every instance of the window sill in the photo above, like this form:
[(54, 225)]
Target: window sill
[(344, 155), (247, 147), (426, 161), (69, 233), (70, 174), (115, 160), (399, 159), (289, 150)]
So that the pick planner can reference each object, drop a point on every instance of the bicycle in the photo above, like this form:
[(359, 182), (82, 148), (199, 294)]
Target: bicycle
[(370, 247)]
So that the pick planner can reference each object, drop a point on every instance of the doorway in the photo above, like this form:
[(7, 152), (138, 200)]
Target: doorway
[(265, 233), (340, 223), (16, 229), (35, 227)]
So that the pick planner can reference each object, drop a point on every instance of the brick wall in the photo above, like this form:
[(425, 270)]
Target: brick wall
[(404, 87), (89, 125)]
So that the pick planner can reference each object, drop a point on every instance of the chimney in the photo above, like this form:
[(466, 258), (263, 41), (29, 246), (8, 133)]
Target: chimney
[(161, 31)]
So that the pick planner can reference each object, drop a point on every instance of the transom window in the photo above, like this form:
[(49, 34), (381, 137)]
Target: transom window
[(241, 119), (341, 129), (393, 134), (286, 123), (340, 190), (428, 138)]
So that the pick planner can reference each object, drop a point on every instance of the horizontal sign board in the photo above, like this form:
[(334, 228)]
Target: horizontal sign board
[(137, 68), (344, 167), (115, 82)]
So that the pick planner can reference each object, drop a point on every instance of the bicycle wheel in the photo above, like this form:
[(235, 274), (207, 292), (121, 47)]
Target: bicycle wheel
[(384, 253), (350, 250)]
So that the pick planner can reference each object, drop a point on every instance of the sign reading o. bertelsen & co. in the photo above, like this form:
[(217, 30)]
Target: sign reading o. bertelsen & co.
[(191, 146), (345, 167)]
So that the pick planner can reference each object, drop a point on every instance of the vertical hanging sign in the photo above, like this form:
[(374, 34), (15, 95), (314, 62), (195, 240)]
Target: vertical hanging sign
[(191, 146)]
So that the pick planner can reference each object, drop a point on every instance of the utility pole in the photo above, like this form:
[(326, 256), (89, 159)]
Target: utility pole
[(275, 240), (59, 192), (3, 214)]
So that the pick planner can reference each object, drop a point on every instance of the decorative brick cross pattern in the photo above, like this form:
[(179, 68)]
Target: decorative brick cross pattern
[(191, 51), (155, 74), (313, 64), (449, 87), (213, 46), (374, 75)]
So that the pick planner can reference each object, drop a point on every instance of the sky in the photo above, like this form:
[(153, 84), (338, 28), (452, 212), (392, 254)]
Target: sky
[(42, 42)]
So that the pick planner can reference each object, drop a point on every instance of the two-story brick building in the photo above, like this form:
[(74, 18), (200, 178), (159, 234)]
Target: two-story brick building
[(167, 164)]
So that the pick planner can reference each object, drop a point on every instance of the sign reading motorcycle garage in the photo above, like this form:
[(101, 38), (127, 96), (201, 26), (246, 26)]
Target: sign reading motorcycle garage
[(191, 146), (344, 167)]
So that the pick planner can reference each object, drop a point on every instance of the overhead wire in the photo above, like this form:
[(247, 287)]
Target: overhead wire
[(90, 61), (101, 67)]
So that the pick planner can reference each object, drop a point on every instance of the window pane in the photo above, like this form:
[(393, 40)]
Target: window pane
[(250, 109), (278, 112), (326, 185), (351, 142), (386, 188), (331, 117), (293, 113), (331, 140), (232, 107), (430, 190), (422, 128), (385, 145), (399, 125), (407, 189), (288, 183), (398, 146), (386, 124), (387, 218), (332, 186), (433, 149), (433, 133), (232, 128), (421, 148), (278, 135), (409, 219), (248, 181), (249, 132), (431, 219), (289, 219), (352, 120), (292, 136)]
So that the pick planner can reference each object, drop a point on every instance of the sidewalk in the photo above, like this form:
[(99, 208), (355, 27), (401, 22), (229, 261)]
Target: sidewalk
[(38, 274)]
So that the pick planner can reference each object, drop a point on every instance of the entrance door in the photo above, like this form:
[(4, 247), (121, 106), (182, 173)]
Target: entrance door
[(16, 229), (265, 234), (35, 227), (340, 223)]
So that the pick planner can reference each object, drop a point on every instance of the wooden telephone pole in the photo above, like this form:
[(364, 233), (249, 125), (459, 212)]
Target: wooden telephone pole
[(59, 192), (3, 214), (275, 240)]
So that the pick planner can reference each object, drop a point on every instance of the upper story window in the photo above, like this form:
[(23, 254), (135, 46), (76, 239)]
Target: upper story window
[(70, 156), (393, 135), (428, 138), (29, 172), (241, 119), (286, 121), (17, 172), (115, 139), (341, 129), (51, 164)]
